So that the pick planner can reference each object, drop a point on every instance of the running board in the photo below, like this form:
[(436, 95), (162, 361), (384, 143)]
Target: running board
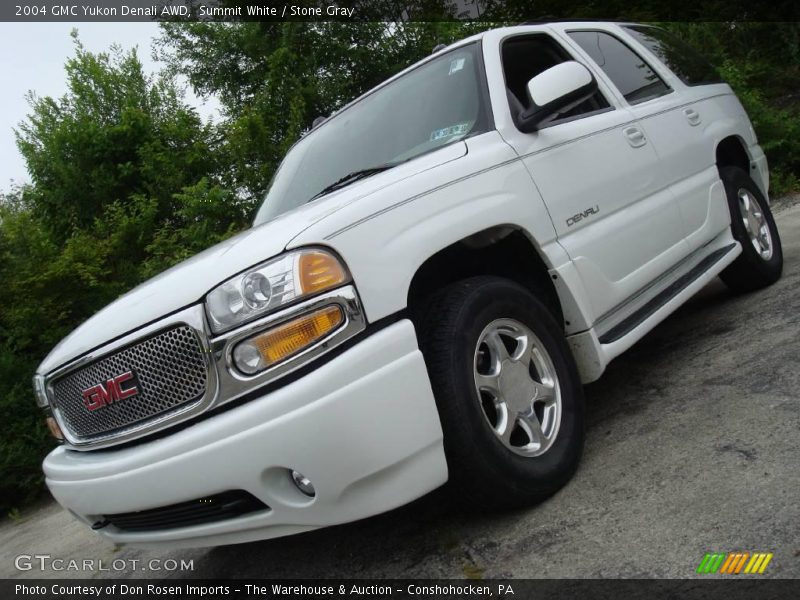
[(641, 315)]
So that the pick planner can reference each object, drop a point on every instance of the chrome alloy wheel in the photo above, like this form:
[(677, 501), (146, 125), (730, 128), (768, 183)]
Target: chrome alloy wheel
[(755, 224), (518, 387)]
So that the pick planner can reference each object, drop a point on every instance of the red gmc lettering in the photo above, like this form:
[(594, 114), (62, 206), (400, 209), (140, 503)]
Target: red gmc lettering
[(99, 395)]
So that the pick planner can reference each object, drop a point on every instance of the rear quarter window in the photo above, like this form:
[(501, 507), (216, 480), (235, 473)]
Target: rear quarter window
[(683, 60)]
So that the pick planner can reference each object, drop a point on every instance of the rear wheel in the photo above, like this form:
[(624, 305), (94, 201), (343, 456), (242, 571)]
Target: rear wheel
[(761, 261), (508, 393)]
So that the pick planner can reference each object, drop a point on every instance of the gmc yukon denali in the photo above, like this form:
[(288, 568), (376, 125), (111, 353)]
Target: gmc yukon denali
[(435, 271)]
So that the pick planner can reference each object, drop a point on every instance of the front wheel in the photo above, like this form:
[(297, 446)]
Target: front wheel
[(507, 390), (761, 262)]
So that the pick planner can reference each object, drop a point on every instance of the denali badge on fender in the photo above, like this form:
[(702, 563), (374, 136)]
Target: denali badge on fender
[(592, 210), (101, 395)]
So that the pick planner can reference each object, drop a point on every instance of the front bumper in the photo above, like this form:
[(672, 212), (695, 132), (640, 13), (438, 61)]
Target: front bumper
[(363, 427)]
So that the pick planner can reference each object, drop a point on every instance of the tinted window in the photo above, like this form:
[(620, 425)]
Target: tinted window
[(633, 76), (434, 105), (681, 58)]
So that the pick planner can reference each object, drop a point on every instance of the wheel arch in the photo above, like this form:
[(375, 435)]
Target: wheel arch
[(501, 250), (731, 151)]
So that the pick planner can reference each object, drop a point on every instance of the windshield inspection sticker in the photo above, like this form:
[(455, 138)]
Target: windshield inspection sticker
[(459, 129), (456, 65)]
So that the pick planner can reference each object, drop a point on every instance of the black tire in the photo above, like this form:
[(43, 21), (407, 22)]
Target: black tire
[(749, 271), (484, 473)]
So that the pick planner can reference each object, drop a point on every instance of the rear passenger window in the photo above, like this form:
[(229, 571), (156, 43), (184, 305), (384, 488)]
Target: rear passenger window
[(683, 60), (627, 70)]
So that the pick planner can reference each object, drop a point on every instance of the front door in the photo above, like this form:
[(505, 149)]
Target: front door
[(599, 176)]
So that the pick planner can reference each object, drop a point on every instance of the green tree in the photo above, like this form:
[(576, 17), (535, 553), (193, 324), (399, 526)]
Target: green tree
[(761, 61), (274, 79), (115, 134), (123, 184)]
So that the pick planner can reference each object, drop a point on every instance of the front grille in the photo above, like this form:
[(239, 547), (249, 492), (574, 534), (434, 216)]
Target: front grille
[(226, 505), (169, 371)]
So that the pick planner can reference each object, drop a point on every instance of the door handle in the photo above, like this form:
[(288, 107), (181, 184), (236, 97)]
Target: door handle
[(692, 116), (635, 136)]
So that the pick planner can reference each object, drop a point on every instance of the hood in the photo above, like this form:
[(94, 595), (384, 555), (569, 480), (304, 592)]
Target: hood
[(188, 282), (178, 287)]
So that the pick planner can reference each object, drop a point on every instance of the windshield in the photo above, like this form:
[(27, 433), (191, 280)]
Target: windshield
[(434, 105)]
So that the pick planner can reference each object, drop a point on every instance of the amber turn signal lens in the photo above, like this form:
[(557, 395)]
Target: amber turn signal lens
[(54, 428), (320, 271), (273, 346)]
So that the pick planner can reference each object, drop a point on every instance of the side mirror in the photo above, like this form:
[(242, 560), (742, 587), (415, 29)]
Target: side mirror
[(555, 91)]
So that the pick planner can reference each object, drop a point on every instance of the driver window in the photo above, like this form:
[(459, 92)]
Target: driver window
[(524, 57)]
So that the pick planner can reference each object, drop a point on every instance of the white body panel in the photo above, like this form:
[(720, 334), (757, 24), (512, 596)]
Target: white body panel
[(588, 165), (370, 435), (377, 441), (188, 282), (404, 227)]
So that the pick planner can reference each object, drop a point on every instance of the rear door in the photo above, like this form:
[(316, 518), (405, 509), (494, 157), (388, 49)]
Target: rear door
[(683, 131), (675, 119), (600, 178)]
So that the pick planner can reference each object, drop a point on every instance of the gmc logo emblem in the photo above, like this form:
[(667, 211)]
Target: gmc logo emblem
[(114, 390)]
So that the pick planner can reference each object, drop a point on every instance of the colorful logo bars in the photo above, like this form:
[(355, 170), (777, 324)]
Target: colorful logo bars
[(734, 563)]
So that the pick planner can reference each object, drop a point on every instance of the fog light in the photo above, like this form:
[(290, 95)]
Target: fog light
[(54, 428), (303, 484), (277, 344)]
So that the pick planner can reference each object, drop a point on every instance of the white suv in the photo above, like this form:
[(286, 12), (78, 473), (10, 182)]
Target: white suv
[(435, 271)]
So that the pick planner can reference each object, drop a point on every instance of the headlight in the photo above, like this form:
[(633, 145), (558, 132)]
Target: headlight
[(273, 284)]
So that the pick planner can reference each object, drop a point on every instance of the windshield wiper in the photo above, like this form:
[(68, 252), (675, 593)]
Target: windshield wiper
[(352, 178)]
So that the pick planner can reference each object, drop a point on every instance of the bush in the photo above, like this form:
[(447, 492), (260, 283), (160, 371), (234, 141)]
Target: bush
[(778, 129)]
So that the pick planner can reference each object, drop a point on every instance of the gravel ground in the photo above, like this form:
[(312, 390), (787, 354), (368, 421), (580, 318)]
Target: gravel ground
[(693, 445)]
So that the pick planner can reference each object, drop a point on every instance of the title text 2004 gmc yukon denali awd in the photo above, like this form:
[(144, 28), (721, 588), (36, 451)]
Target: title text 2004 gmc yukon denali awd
[(434, 272)]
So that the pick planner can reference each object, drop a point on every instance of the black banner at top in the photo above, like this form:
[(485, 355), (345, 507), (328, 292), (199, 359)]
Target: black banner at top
[(513, 11)]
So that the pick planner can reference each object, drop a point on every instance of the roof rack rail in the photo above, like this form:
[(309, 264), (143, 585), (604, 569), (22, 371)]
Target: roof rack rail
[(544, 20)]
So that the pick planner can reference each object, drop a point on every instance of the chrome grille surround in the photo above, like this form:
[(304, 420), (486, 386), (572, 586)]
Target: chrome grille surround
[(224, 382), (169, 369), (190, 322)]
